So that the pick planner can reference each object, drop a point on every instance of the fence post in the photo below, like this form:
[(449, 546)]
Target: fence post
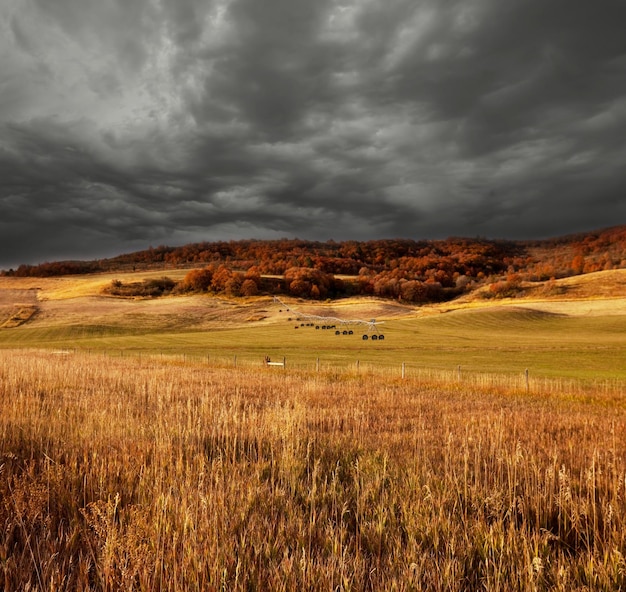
[(527, 382), (284, 363), (458, 372), (403, 370), (235, 361), (317, 364), (357, 365)]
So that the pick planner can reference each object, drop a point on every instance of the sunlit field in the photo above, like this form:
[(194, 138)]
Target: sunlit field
[(503, 340), (580, 338), (159, 472)]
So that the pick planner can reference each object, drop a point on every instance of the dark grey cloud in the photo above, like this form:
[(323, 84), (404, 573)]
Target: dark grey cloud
[(151, 122)]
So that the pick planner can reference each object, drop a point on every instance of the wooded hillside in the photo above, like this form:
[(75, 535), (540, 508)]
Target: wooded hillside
[(413, 271)]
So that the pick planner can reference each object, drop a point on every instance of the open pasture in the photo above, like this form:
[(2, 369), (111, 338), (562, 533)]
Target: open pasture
[(581, 337), (502, 338)]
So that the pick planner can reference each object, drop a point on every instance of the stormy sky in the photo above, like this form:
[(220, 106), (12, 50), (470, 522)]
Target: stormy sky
[(125, 124)]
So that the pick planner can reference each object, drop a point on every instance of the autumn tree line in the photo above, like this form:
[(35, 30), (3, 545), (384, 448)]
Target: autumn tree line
[(407, 270)]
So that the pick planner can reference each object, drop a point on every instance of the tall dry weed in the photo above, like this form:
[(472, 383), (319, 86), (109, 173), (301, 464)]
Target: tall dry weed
[(119, 474)]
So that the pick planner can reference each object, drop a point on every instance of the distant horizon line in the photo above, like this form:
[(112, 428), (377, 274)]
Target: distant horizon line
[(478, 237)]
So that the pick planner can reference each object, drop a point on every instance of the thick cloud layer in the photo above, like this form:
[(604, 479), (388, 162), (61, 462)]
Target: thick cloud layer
[(125, 124)]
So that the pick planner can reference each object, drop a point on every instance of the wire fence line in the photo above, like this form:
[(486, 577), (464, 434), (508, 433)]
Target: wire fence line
[(461, 376)]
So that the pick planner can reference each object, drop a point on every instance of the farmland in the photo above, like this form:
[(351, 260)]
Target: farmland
[(144, 445), (577, 336)]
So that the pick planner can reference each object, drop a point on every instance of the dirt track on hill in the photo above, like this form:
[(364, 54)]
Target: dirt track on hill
[(17, 306), (12, 297), (185, 312)]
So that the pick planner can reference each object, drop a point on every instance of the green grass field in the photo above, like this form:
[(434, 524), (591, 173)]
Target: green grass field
[(496, 339)]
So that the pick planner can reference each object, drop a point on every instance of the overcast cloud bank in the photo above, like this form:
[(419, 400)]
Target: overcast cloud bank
[(125, 124)]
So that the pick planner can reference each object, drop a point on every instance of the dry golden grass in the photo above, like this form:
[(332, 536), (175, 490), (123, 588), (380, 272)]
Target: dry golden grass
[(79, 286), (601, 284), (81, 297), (594, 293), (154, 474)]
